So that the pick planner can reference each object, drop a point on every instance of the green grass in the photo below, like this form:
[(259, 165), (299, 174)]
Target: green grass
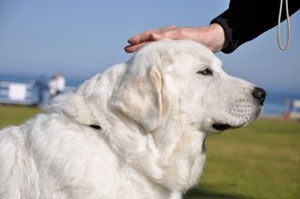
[(261, 161), (15, 115)]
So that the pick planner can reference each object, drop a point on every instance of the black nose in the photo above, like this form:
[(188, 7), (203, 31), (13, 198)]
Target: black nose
[(259, 94)]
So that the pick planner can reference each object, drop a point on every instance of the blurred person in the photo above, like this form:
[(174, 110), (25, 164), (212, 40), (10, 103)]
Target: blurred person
[(241, 22), (52, 87), (60, 83), (42, 90)]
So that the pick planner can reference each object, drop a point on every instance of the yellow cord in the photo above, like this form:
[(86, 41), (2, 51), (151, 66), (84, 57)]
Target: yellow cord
[(288, 26)]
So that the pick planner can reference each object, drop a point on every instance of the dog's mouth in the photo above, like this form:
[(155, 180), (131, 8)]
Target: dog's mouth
[(223, 127)]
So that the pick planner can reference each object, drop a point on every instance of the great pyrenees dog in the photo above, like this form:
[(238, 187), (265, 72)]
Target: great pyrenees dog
[(136, 131)]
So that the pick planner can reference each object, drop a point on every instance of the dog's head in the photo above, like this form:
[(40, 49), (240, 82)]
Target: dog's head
[(184, 80)]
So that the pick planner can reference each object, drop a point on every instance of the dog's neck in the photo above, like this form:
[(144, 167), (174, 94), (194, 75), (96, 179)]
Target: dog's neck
[(171, 156)]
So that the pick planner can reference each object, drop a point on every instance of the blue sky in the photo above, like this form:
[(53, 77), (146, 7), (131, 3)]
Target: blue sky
[(81, 38)]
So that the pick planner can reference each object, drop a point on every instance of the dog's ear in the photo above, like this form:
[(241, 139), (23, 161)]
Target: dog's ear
[(75, 107), (141, 96)]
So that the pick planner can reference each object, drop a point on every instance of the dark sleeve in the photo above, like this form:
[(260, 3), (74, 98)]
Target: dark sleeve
[(245, 20)]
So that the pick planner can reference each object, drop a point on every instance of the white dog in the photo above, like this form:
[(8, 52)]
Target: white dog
[(136, 131)]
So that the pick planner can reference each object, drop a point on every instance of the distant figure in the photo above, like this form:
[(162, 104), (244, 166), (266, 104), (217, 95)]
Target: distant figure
[(52, 87), (56, 85), (60, 83), (42, 89)]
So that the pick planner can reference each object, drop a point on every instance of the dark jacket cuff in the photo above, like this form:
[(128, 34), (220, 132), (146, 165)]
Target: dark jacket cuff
[(223, 21)]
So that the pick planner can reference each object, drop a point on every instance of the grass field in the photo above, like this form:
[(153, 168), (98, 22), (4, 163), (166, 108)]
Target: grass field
[(261, 161)]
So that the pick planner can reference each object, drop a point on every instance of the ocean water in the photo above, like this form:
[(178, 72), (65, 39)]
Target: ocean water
[(70, 81), (275, 103)]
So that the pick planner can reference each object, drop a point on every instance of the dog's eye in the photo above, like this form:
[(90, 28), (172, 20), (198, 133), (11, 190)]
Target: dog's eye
[(206, 71)]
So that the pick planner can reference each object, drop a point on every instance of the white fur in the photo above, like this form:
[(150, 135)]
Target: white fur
[(155, 112)]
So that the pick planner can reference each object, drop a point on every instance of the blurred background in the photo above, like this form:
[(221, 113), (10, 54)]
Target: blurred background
[(72, 40), (79, 39)]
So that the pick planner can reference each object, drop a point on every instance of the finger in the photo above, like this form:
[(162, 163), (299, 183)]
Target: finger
[(143, 37), (134, 48), (136, 39)]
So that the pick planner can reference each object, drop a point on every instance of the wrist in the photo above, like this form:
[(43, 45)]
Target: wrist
[(218, 37), (212, 36)]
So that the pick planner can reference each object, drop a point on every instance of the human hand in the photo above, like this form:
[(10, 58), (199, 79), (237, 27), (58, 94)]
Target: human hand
[(212, 36)]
